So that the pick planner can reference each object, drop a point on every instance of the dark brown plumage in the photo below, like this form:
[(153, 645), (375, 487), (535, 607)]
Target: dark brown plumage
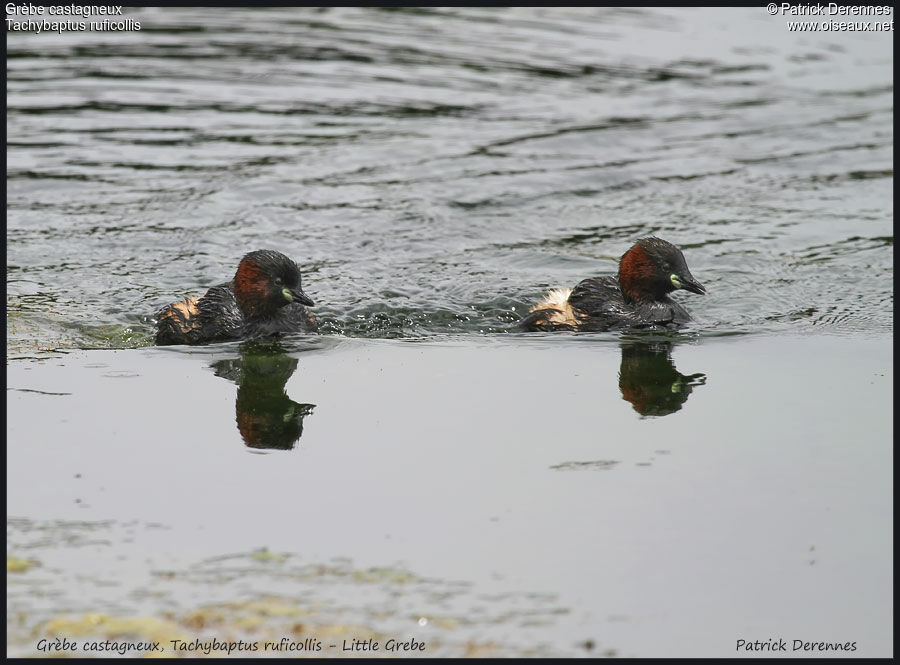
[(635, 298), (263, 299)]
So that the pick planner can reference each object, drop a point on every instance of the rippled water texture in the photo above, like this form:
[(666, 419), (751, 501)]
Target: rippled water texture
[(434, 170)]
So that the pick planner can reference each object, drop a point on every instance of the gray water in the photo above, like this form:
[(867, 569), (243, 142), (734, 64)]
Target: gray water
[(433, 172)]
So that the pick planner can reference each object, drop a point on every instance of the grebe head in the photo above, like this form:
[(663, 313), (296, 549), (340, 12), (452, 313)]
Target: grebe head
[(653, 268), (267, 280)]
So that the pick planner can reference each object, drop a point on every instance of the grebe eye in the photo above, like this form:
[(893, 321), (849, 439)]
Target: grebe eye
[(278, 281), (675, 281)]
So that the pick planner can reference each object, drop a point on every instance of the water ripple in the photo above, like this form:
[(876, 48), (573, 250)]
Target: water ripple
[(433, 170)]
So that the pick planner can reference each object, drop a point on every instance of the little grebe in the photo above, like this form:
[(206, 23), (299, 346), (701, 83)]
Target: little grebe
[(635, 298), (263, 299)]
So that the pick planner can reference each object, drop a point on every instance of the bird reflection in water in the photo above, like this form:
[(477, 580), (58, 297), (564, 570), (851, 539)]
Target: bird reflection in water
[(648, 379), (266, 417)]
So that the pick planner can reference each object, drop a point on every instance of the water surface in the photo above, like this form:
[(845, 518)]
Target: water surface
[(441, 480), (433, 170)]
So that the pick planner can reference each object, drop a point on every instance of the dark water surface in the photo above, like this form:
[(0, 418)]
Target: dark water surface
[(434, 171)]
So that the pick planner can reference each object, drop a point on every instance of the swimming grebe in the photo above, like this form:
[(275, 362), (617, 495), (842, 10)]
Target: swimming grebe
[(636, 298), (264, 298)]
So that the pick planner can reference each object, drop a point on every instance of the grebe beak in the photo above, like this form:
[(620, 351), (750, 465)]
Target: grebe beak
[(693, 287), (296, 295)]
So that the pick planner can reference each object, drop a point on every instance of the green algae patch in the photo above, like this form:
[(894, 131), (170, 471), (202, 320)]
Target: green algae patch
[(112, 337), (259, 625), (42, 331), (223, 606), (16, 565), (267, 625), (273, 607), (373, 575), (266, 555), (138, 628), (246, 616)]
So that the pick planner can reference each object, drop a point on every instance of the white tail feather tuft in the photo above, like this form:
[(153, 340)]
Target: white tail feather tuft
[(557, 298), (557, 308)]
